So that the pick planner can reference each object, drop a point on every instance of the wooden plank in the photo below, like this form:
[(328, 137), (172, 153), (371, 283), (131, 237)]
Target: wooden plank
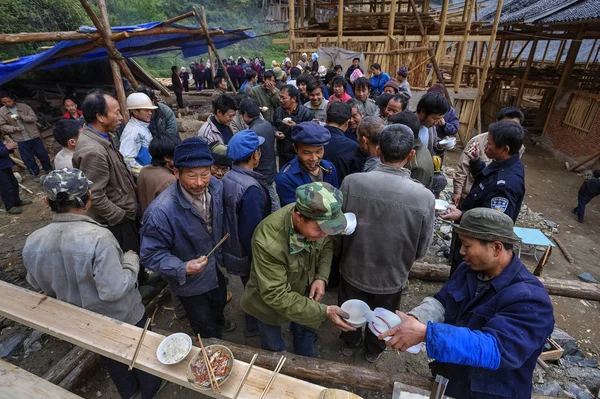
[(381, 38), (64, 366), (463, 48), (340, 23), (117, 340), (18, 383)]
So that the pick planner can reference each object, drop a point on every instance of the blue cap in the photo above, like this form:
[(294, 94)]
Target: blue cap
[(192, 153), (310, 133), (243, 144)]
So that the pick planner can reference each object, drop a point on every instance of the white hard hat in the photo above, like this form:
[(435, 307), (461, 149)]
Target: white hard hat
[(139, 101)]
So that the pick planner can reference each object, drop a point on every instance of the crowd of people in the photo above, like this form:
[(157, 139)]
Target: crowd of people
[(279, 167)]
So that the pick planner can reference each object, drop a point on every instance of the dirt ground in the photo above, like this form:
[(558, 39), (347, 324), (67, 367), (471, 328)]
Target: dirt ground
[(550, 189)]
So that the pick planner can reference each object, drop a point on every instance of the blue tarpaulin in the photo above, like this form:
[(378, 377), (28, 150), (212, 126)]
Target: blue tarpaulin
[(137, 46)]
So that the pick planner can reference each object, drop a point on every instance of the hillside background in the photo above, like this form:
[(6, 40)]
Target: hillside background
[(68, 15)]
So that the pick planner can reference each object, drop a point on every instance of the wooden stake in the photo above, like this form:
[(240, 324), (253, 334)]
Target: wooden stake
[(212, 45), (463, 47), (340, 30), (543, 260), (292, 11), (564, 250), (441, 48)]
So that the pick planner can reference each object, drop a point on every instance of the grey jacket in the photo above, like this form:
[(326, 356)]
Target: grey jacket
[(76, 260), (395, 217)]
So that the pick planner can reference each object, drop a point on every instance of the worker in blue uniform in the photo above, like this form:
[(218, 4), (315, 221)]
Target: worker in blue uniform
[(500, 185), (309, 139), (487, 326)]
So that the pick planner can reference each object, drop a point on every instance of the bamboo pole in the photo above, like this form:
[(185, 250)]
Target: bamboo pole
[(391, 23), (340, 32), (211, 45), (527, 70), (568, 67), (178, 18), (463, 47), (440, 46), (292, 10), (484, 73), (114, 66)]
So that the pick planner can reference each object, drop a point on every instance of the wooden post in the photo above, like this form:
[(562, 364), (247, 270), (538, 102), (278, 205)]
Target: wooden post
[(464, 45), (527, 68), (114, 66), (484, 72), (391, 23), (211, 58), (211, 44), (340, 32), (587, 62), (559, 53), (292, 11), (567, 69), (434, 63), (440, 47), (302, 13)]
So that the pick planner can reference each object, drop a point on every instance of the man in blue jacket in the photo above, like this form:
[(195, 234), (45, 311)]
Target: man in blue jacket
[(487, 326), (309, 140), (179, 228)]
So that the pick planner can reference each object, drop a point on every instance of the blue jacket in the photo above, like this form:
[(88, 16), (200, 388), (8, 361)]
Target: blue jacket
[(451, 127), (344, 153), (5, 161), (377, 82), (514, 310), (173, 233), (499, 186), (292, 176)]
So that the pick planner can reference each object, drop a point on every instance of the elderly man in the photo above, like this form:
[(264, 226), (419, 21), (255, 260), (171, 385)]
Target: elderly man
[(343, 152), (267, 95), (290, 112), (114, 200), (291, 257), (369, 130), (358, 112), (136, 136), (217, 127), (179, 228), (246, 204), (396, 104), (487, 326), (309, 140), (372, 268), (77, 260)]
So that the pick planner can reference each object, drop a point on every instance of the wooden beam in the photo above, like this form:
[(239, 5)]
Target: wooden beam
[(440, 45), (211, 44), (340, 23), (18, 383), (484, 73), (292, 9), (527, 70), (381, 38), (409, 50), (464, 44), (391, 24), (302, 13), (114, 66), (118, 340), (188, 14), (64, 366)]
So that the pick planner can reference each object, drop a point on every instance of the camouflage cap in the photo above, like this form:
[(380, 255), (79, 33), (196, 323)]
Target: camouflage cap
[(67, 180), (488, 225), (323, 203)]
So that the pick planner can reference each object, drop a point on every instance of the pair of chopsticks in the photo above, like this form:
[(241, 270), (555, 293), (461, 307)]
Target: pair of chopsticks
[(275, 373), (226, 236), (211, 373), (245, 376), (139, 345)]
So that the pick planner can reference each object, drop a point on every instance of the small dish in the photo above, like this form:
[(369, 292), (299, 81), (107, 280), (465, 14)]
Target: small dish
[(197, 374), (441, 206), (350, 223), (356, 309), (163, 348), (449, 143)]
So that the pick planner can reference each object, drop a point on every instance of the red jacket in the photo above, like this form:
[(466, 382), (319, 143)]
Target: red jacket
[(67, 115)]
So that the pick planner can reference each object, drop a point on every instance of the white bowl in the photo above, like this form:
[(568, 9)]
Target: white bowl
[(440, 206), (350, 223), (449, 143), (356, 309), (160, 351)]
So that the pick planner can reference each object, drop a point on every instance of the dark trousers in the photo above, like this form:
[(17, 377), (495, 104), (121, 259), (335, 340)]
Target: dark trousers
[(251, 321), (391, 302), (304, 338), (127, 234), (179, 96), (9, 188), (205, 311), (582, 201), (128, 383), (29, 150)]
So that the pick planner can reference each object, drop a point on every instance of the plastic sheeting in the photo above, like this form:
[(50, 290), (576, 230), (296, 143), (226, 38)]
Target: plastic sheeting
[(330, 56), (132, 47)]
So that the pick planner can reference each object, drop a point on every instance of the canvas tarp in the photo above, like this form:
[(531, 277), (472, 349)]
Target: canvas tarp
[(330, 56)]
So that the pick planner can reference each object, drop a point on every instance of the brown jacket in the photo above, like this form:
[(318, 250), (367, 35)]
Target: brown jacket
[(152, 181), (9, 126), (113, 190)]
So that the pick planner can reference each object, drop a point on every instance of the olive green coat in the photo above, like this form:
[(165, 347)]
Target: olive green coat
[(279, 280)]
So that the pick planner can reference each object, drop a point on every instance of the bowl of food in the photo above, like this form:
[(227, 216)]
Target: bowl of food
[(448, 142), (174, 348), (350, 223), (220, 358), (441, 206), (356, 309)]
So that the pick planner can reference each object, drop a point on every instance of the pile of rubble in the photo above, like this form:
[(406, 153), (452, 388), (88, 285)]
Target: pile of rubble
[(572, 376)]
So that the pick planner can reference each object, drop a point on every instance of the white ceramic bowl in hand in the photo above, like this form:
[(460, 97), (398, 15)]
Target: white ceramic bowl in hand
[(441, 206), (356, 309), (448, 143), (182, 353), (351, 223)]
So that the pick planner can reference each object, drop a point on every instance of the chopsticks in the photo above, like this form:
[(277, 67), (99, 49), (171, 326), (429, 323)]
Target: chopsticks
[(139, 345), (275, 373), (245, 376), (211, 373), (218, 245)]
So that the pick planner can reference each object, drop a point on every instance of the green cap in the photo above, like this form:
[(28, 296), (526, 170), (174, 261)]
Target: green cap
[(323, 203), (487, 224)]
